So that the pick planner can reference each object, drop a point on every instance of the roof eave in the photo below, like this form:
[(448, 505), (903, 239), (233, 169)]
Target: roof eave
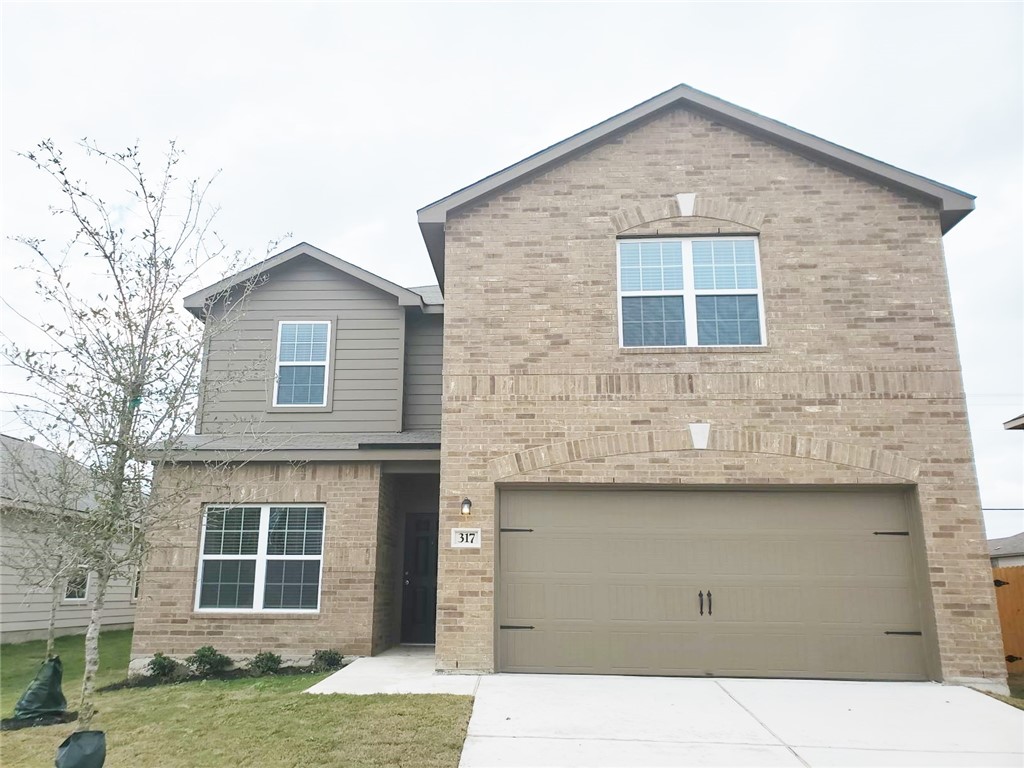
[(1017, 423), (198, 303)]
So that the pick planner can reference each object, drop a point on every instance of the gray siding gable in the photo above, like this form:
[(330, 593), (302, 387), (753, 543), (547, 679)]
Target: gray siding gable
[(366, 354)]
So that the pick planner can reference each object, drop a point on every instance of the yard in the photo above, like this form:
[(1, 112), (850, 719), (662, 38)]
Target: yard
[(250, 722)]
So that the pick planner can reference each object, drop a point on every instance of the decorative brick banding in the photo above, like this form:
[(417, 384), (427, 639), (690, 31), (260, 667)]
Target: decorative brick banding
[(817, 449)]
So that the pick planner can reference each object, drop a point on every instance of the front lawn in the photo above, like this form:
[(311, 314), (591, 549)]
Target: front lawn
[(249, 722), (19, 663)]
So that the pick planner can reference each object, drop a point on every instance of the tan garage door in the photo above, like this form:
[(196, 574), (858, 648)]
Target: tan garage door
[(741, 583)]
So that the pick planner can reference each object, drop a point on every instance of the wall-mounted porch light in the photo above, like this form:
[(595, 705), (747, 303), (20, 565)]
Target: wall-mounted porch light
[(467, 506)]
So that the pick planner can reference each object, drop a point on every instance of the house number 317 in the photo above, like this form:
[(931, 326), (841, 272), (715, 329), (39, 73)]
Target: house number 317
[(466, 538)]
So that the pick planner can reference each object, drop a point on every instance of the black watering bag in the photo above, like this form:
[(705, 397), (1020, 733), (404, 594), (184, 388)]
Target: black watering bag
[(82, 749)]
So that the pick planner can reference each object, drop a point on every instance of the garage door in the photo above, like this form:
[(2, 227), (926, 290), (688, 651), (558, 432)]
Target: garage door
[(737, 583)]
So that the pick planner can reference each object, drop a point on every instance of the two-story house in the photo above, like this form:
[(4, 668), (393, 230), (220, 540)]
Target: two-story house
[(701, 414)]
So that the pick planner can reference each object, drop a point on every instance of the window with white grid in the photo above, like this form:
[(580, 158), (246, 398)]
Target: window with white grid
[(303, 356), (693, 292), (261, 558)]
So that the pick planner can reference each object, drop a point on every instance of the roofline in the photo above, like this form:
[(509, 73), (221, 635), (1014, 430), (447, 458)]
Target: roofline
[(954, 203), (428, 452), (199, 302), (1017, 423)]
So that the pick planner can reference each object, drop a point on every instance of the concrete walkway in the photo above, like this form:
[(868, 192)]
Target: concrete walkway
[(405, 669), (599, 722)]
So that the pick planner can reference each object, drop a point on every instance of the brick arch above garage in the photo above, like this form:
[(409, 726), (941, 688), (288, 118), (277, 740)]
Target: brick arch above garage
[(862, 464)]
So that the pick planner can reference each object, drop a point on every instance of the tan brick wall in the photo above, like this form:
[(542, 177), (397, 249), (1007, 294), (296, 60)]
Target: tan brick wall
[(861, 356), (351, 493), (386, 602)]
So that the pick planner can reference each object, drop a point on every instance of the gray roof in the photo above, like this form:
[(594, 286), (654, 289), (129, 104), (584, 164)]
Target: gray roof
[(1017, 423), (953, 203), (1010, 545), (33, 476), (431, 293), (198, 302), (303, 446)]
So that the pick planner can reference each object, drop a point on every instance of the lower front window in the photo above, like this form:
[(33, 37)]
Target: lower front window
[(261, 558)]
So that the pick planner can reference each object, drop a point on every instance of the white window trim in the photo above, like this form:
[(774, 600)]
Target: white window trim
[(261, 557), (278, 363), (690, 292), (134, 586), (77, 600)]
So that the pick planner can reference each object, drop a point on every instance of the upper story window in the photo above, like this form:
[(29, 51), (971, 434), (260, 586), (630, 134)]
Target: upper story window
[(261, 558), (694, 292), (302, 360)]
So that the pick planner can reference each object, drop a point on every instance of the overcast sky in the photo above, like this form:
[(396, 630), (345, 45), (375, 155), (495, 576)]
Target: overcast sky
[(335, 122)]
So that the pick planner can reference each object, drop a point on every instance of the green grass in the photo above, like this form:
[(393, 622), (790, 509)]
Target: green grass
[(19, 663), (248, 722)]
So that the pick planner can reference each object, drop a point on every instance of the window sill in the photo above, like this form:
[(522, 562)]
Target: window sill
[(692, 350), (300, 408), (259, 615)]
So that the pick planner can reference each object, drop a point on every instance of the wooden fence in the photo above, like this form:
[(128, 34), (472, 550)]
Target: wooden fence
[(1010, 600)]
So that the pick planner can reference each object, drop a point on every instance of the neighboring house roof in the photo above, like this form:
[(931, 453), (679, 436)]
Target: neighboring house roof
[(32, 476), (198, 302), (1017, 423), (953, 203), (312, 446), (1007, 547)]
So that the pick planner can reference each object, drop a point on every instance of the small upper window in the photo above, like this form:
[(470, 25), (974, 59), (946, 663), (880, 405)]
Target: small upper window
[(76, 589), (696, 292), (302, 360)]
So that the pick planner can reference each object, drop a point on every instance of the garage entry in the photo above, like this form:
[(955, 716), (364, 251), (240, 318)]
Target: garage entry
[(817, 584)]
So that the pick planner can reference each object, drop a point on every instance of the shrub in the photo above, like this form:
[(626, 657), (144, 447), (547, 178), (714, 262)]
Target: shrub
[(208, 661), (163, 667), (326, 660), (264, 663)]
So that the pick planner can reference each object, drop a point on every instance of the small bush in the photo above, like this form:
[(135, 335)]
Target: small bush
[(326, 660), (208, 661), (163, 667), (264, 663)]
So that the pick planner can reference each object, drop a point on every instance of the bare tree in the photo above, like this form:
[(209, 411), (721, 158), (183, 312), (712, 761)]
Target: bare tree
[(120, 372)]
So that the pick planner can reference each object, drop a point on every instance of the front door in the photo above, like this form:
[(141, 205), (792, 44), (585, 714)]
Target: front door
[(419, 578)]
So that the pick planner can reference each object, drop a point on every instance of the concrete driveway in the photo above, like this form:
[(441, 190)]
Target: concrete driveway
[(568, 720)]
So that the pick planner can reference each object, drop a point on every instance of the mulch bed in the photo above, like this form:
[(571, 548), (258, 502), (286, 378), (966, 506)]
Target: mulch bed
[(148, 681)]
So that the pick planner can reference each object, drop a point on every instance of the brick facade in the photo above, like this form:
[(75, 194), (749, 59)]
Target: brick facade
[(859, 382), (350, 618)]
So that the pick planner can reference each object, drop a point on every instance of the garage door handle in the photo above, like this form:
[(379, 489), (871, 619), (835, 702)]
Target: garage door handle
[(700, 597), (709, 602)]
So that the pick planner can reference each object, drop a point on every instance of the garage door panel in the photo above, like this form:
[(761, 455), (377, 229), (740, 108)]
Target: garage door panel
[(752, 557), (740, 653), (538, 651), (758, 604), (887, 607), (674, 603), (864, 553), (802, 585)]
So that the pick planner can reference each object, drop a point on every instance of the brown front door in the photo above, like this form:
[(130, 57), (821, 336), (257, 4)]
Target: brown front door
[(419, 578)]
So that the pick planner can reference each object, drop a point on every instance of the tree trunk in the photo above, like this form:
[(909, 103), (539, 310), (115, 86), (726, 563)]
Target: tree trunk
[(51, 629), (87, 709)]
